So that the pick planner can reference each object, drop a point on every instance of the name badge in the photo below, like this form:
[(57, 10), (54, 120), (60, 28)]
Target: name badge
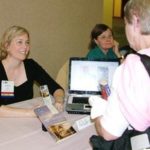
[(7, 88), (140, 142), (83, 123)]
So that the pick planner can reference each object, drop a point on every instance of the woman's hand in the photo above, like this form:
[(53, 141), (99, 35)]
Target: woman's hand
[(59, 106), (59, 99), (98, 106), (8, 111), (117, 52), (116, 49)]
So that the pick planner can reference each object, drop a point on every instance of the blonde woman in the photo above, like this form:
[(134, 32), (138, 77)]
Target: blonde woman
[(18, 73)]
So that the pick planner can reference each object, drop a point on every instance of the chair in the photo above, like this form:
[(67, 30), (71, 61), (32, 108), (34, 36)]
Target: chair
[(62, 76)]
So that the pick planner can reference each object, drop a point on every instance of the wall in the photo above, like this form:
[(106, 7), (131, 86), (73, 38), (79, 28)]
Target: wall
[(59, 28), (117, 8), (107, 12)]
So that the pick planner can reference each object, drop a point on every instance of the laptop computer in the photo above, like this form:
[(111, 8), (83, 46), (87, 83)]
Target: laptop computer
[(84, 80)]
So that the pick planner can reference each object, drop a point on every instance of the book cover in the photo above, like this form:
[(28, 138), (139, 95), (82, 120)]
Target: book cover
[(56, 124), (61, 130)]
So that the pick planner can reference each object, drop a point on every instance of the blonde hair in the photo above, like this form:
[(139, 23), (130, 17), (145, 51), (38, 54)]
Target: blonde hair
[(140, 9), (8, 36)]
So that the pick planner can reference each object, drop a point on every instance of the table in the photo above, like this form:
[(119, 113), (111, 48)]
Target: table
[(26, 133)]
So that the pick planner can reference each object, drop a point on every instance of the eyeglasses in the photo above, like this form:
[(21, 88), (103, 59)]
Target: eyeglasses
[(105, 37)]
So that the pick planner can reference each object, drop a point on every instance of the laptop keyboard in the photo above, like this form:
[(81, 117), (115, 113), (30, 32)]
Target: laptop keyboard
[(82, 100)]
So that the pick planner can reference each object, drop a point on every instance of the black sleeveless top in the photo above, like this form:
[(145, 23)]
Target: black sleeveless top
[(34, 73)]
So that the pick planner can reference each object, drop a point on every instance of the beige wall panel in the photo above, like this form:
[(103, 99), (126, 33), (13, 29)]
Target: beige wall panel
[(59, 28)]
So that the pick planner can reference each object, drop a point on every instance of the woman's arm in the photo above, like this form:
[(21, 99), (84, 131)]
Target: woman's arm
[(110, 123), (98, 111), (43, 78), (8, 111), (102, 132)]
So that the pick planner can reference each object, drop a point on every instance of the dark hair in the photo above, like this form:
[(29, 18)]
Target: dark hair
[(96, 31)]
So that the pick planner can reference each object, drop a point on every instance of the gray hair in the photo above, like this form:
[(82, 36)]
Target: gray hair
[(141, 9)]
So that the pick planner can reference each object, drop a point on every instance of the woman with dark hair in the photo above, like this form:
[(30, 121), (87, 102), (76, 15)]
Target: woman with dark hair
[(102, 44)]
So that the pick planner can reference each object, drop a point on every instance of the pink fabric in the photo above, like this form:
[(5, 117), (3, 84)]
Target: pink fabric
[(134, 91), (26, 133)]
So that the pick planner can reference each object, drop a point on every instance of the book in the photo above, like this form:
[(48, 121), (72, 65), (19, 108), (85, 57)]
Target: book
[(56, 124), (47, 98), (61, 131)]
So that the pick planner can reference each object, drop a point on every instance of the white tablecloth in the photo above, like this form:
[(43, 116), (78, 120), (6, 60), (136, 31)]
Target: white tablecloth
[(26, 133)]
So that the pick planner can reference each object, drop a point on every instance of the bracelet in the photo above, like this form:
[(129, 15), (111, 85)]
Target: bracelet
[(122, 56)]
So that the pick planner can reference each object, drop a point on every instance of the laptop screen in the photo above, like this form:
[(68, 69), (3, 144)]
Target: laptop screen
[(85, 75)]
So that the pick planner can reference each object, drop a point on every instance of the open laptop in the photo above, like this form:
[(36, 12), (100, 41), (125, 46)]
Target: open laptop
[(84, 80)]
